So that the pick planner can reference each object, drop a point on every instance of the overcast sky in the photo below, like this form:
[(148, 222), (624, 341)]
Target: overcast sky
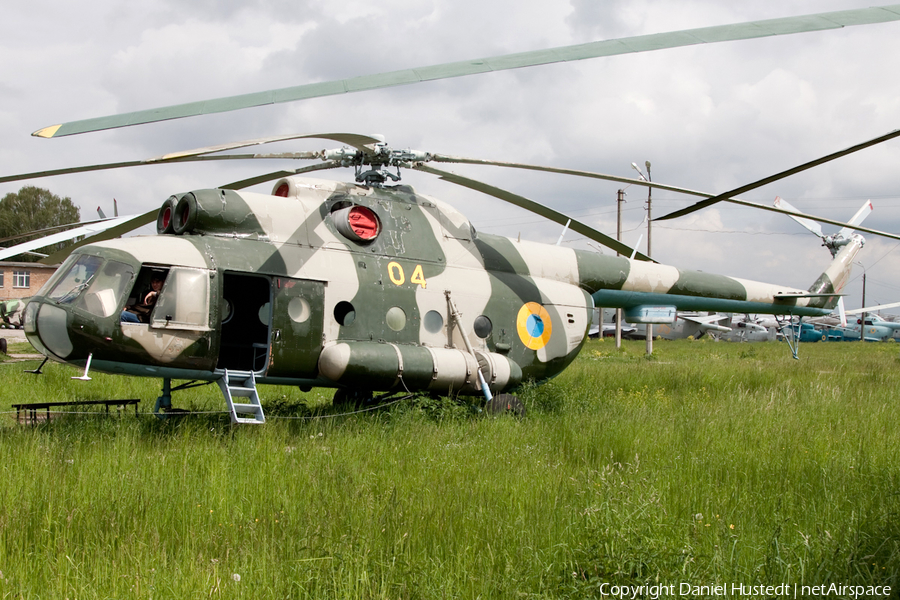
[(709, 117)]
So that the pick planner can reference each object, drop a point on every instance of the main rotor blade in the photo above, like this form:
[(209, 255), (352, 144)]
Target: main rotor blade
[(777, 176), (643, 43), (539, 209), (126, 224), (245, 183), (53, 229), (654, 185), (447, 158), (361, 142), (91, 227), (892, 236), (358, 141), (131, 223), (154, 161)]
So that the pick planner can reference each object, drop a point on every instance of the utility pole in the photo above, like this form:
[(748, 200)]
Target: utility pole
[(862, 322), (648, 327), (649, 200), (619, 200)]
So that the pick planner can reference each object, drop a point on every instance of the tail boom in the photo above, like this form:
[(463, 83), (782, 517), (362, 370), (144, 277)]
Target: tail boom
[(624, 283), (835, 277)]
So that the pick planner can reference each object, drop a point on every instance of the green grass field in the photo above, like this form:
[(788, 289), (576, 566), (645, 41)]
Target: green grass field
[(709, 464)]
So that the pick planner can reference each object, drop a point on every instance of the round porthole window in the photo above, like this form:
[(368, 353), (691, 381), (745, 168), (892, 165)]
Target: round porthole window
[(396, 318), (344, 313), (483, 326), (298, 309), (433, 321), (264, 314), (227, 310)]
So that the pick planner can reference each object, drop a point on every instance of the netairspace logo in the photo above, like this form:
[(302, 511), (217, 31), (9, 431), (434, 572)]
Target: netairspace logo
[(739, 590)]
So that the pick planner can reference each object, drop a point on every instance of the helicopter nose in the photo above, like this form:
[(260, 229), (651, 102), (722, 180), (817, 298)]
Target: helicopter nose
[(46, 328)]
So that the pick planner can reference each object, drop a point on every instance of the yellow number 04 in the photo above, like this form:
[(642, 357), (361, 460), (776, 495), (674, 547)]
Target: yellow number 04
[(395, 272)]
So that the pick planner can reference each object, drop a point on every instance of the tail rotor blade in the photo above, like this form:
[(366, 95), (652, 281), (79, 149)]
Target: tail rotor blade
[(858, 218), (811, 225)]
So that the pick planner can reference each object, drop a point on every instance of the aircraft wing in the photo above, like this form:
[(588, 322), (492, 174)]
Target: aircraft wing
[(87, 230)]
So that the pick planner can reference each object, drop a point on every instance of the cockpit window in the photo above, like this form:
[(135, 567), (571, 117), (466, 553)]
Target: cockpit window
[(94, 285), (184, 300), (57, 275), (107, 290), (76, 279)]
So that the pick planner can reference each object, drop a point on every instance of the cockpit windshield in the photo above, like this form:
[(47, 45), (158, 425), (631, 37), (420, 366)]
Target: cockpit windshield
[(76, 279), (94, 284)]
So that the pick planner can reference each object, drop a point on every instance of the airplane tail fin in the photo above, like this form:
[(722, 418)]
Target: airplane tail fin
[(834, 278)]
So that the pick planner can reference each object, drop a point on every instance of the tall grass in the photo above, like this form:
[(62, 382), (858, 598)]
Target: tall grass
[(708, 464)]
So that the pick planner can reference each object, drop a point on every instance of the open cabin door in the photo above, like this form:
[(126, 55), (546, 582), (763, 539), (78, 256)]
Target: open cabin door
[(245, 312), (298, 319)]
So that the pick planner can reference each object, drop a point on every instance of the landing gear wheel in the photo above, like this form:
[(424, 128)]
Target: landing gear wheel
[(351, 398), (505, 404)]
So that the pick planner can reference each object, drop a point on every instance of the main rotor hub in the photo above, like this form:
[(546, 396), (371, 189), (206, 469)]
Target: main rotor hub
[(380, 157)]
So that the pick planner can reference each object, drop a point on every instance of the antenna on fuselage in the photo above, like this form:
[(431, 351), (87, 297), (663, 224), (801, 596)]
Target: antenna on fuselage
[(563, 234)]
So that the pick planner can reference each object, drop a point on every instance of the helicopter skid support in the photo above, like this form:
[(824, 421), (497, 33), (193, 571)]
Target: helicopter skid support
[(792, 335), (87, 367), (164, 402), (38, 371)]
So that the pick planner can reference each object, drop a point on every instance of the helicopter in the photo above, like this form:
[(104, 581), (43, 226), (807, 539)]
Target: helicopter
[(876, 329), (746, 331), (370, 286), (364, 287)]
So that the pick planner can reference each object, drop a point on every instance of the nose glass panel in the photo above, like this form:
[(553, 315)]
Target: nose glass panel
[(51, 327)]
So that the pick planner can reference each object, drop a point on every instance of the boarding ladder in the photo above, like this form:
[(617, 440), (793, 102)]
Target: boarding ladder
[(239, 389)]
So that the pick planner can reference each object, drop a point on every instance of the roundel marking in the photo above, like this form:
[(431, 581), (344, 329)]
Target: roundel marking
[(534, 326)]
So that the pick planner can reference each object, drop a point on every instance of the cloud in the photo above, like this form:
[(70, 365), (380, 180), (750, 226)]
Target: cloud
[(708, 117)]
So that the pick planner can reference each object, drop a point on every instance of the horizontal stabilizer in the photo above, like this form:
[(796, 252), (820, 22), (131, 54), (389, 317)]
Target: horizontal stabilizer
[(786, 296)]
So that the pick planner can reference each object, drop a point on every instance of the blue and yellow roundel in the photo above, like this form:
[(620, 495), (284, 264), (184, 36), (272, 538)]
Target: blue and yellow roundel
[(533, 325)]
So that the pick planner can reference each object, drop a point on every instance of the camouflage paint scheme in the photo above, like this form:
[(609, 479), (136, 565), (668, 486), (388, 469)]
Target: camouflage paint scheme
[(292, 298)]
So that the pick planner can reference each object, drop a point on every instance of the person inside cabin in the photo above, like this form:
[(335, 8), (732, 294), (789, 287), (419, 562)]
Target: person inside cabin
[(139, 312)]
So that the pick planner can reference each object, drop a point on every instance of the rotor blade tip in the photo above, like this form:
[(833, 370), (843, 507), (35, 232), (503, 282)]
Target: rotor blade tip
[(47, 132)]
